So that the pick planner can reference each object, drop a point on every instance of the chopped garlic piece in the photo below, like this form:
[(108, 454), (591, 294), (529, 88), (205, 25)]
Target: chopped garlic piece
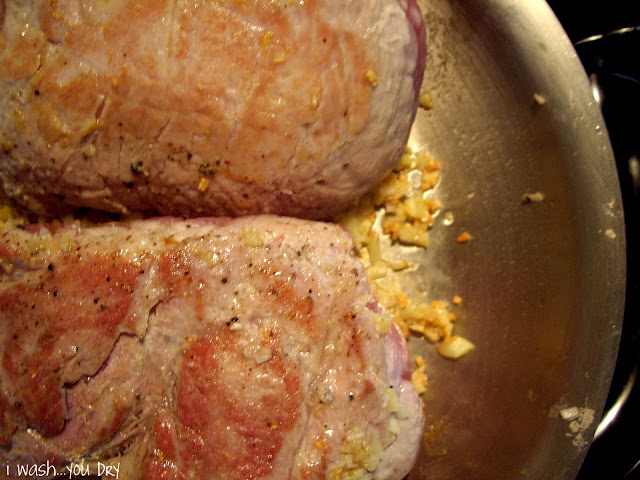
[(280, 58), (425, 101), (265, 41), (258, 353), (203, 184), (371, 77), (454, 347), (252, 237), (532, 197), (360, 454), (418, 376), (539, 98)]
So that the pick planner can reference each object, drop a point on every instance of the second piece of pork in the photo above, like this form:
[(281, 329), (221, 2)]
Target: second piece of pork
[(230, 349)]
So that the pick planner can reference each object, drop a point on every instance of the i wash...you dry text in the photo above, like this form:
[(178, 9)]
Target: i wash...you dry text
[(74, 470)]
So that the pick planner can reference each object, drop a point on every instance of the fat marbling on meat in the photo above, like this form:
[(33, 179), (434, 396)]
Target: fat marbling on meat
[(194, 108), (197, 349)]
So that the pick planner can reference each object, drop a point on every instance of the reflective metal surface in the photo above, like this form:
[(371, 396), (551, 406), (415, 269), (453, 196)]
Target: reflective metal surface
[(543, 282)]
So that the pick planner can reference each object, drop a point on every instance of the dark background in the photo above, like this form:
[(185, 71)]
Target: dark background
[(606, 35)]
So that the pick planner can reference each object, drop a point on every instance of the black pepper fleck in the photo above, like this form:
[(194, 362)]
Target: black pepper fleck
[(137, 167)]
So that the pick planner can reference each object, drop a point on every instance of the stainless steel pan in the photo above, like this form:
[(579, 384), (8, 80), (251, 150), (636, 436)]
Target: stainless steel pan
[(542, 282)]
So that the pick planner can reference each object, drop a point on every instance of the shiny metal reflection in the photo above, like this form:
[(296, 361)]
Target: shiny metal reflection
[(613, 412), (598, 94)]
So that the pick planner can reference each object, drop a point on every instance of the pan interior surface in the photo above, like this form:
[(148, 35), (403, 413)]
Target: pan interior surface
[(543, 281)]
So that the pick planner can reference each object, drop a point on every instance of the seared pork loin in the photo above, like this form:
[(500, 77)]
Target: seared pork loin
[(190, 108), (211, 348)]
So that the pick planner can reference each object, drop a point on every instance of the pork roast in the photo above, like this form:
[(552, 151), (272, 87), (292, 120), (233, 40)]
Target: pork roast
[(191, 108), (211, 348)]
